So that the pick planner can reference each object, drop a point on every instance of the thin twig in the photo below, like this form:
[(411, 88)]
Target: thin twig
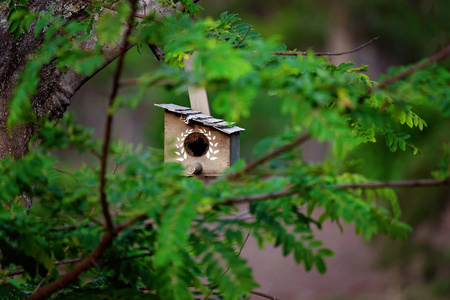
[(42, 282), (110, 7), (67, 261), (300, 140), (328, 53), (70, 227), (245, 36), (263, 295), (15, 272), (260, 197), (437, 57), (240, 249), (238, 254), (128, 223), (48, 275)]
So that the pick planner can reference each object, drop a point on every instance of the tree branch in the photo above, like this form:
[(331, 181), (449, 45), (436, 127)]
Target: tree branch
[(300, 140), (437, 57), (110, 7), (109, 119), (259, 197), (370, 185), (263, 295), (244, 37), (395, 184), (85, 264), (329, 53), (158, 52)]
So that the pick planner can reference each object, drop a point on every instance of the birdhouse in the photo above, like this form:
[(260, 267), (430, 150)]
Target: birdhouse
[(206, 146)]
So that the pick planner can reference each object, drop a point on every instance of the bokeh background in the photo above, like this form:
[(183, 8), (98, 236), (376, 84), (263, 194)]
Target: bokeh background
[(380, 269)]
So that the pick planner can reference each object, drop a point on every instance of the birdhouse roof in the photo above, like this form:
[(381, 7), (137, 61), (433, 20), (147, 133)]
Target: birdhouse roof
[(187, 114)]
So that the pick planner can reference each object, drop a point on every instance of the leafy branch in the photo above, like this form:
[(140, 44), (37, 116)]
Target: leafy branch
[(297, 142), (112, 231), (370, 185), (435, 58)]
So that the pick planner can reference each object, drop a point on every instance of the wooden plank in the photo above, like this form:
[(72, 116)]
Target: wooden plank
[(197, 94)]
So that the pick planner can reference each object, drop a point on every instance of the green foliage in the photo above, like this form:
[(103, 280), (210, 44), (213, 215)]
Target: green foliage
[(19, 17), (189, 245), (444, 163)]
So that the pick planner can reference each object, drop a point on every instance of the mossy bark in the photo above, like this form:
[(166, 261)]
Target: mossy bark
[(56, 87)]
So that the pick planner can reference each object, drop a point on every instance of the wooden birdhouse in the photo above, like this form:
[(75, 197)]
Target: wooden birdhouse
[(206, 146)]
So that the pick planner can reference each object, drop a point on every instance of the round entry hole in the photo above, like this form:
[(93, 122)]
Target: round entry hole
[(196, 144)]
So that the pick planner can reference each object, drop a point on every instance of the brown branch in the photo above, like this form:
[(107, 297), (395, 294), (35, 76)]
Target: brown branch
[(260, 197), (300, 140), (76, 260), (67, 261), (158, 52), (87, 263), (245, 36), (83, 266), (42, 282), (437, 57), (395, 184), (263, 295), (328, 53), (370, 185), (109, 120), (128, 223), (15, 272)]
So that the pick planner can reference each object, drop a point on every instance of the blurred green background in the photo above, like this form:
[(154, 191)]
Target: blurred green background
[(409, 30)]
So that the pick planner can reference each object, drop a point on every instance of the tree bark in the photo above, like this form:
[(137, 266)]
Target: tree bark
[(56, 87)]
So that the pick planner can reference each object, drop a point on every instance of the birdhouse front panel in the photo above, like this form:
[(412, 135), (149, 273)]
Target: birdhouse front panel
[(204, 145)]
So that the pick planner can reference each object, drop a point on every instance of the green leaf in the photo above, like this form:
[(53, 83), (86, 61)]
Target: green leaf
[(320, 264), (402, 144), (409, 121), (325, 252)]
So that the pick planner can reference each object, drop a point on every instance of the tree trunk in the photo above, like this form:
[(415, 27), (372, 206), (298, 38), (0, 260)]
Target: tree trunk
[(56, 87)]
